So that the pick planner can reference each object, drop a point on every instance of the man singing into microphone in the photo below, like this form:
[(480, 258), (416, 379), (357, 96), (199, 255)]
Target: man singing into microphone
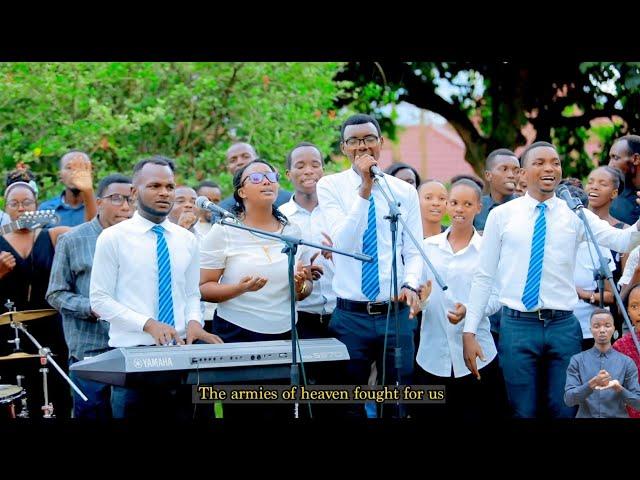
[(529, 250), (355, 208)]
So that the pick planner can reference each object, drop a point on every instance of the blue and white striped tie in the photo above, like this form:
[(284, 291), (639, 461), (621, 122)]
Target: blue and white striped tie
[(165, 300), (531, 293), (370, 280)]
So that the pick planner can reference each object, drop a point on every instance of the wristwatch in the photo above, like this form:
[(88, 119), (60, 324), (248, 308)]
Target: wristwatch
[(407, 286)]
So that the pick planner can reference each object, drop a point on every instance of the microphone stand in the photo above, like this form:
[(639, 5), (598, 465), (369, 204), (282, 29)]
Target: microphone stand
[(290, 248), (394, 217), (603, 269)]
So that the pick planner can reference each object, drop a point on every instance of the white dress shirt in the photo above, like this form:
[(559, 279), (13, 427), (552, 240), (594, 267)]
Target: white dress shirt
[(586, 259), (124, 279), (322, 299), (440, 341), (347, 213), (241, 253), (506, 249), (629, 267)]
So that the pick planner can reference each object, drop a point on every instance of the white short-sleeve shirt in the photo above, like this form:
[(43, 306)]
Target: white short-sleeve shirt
[(240, 254)]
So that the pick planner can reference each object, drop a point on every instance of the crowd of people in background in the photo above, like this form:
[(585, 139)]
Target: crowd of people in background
[(524, 329)]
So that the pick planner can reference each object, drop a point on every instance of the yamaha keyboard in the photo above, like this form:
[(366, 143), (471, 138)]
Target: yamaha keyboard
[(206, 363)]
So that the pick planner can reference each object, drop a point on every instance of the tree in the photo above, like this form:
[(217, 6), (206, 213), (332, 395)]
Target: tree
[(192, 112), (489, 103)]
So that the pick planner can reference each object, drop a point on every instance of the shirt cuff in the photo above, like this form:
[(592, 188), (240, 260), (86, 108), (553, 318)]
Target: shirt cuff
[(138, 320), (197, 316), (583, 391)]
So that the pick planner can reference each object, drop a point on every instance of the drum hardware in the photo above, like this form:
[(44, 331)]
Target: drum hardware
[(15, 319), (24, 412)]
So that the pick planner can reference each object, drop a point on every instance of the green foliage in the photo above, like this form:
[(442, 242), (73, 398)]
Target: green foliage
[(192, 112), (488, 103)]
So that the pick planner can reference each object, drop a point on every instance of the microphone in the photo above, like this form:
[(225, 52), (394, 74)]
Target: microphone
[(203, 203), (573, 202), (375, 171)]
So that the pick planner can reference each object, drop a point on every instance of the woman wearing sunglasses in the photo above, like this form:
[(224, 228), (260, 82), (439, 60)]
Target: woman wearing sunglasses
[(247, 274)]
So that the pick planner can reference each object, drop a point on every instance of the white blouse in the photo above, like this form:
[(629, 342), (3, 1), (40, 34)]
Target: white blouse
[(241, 253), (440, 348)]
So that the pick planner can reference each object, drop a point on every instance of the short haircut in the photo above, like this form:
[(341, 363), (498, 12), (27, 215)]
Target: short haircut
[(490, 162), (299, 145), (359, 119), (617, 177), (576, 192), (525, 153), (70, 152), (469, 183), (473, 178), (207, 183), (576, 182), (600, 311), (428, 181), (108, 180), (396, 167), (156, 160), (242, 143), (633, 143)]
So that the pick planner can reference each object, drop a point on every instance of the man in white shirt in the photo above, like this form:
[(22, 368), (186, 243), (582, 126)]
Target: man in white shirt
[(305, 167), (529, 249), (145, 283), (356, 209)]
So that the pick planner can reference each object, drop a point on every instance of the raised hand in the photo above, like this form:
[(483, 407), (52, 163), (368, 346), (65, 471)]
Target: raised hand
[(7, 263), (81, 174), (329, 243)]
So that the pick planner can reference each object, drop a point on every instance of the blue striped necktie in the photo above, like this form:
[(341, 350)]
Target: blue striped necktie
[(370, 280), (165, 300), (531, 293)]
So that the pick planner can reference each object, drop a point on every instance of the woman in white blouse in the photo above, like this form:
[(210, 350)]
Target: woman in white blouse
[(455, 254), (247, 274)]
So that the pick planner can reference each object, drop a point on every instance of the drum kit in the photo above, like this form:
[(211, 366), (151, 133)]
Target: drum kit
[(10, 394)]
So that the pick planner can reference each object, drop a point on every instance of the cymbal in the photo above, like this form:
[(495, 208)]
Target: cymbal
[(5, 318), (19, 355)]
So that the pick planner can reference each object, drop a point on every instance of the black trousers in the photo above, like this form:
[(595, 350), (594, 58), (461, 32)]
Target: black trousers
[(467, 398)]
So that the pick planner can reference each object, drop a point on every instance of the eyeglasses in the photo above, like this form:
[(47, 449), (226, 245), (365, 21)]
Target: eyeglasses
[(25, 203), (369, 141), (118, 199), (257, 177)]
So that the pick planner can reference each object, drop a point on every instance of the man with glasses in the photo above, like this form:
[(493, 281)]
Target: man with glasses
[(86, 335), (356, 211), (625, 156), (76, 204)]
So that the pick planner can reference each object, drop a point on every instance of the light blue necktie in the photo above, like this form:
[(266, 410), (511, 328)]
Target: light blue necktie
[(165, 300), (370, 281), (531, 292)]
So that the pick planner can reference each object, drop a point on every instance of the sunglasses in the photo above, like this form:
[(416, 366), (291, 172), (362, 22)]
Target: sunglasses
[(258, 177)]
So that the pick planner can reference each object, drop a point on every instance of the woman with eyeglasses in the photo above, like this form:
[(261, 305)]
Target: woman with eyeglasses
[(247, 274), (26, 257)]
